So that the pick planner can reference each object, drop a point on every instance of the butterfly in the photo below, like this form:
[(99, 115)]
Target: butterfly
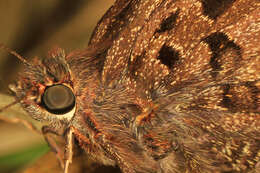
[(164, 86)]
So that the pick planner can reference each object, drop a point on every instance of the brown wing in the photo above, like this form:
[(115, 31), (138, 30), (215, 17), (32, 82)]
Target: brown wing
[(114, 20), (196, 63), (201, 65)]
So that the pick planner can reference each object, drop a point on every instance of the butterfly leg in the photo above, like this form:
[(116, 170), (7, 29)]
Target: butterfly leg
[(16, 120), (68, 149), (46, 131)]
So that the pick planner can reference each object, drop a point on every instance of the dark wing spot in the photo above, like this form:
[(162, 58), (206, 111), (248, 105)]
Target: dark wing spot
[(241, 98), (168, 56), (219, 44), (168, 23), (215, 8)]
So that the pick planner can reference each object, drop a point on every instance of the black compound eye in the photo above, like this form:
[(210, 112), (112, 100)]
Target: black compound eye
[(58, 99)]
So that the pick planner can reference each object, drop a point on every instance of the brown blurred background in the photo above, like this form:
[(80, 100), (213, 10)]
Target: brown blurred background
[(31, 28)]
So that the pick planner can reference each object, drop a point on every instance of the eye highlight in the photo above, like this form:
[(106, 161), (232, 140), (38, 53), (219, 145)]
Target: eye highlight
[(58, 99)]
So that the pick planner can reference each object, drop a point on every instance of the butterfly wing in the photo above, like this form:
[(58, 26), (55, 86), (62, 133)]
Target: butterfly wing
[(199, 62), (209, 93), (193, 67)]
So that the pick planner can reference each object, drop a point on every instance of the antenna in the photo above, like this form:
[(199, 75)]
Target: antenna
[(15, 54), (9, 105), (17, 120)]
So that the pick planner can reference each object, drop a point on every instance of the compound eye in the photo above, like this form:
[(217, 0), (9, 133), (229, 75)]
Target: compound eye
[(58, 99)]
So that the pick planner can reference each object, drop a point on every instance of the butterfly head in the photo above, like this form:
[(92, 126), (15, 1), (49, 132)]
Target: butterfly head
[(45, 88)]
